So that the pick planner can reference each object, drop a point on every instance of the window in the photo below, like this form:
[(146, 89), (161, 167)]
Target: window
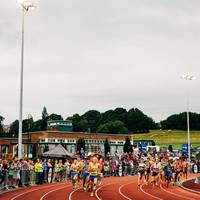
[(61, 140), (51, 140)]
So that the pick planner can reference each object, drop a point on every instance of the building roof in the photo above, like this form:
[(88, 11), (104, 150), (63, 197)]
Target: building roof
[(36, 136)]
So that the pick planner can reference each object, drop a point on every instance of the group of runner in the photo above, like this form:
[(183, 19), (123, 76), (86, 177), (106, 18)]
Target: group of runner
[(161, 171), (152, 169), (89, 170)]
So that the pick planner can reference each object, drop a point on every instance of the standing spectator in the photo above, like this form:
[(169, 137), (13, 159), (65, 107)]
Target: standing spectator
[(113, 168), (56, 171), (16, 175), (4, 174), (82, 154), (120, 169), (11, 169), (25, 173), (39, 172), (49, 171), (60, 173), (44, 164), (1, 174), (106, 168), (64, 174), (32, 172)]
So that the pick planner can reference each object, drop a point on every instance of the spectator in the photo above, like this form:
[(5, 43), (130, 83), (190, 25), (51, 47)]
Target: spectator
[(44, 164), (39, 172)]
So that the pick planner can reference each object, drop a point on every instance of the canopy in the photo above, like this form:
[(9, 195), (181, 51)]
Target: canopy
[(57, 152)]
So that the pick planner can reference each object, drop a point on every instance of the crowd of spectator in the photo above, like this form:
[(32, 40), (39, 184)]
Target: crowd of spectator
[(25, 172)]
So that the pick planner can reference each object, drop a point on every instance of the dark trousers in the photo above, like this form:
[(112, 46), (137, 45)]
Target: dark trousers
[(40, 177)]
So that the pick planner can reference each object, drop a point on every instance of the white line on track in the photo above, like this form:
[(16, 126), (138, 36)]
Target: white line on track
[(21, 194), (96, 192), (66, 186), (120, 192), (190, 190), (141, 188), (70, 195), (178, 195)]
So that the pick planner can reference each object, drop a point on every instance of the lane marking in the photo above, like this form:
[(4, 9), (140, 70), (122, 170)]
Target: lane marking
[(70, 195), (21, 194), (189, 190), (178, 195), (141, 188), (120, 192), (66, 186), (96, 192)]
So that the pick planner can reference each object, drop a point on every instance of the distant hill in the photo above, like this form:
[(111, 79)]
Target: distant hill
[(166, 137)]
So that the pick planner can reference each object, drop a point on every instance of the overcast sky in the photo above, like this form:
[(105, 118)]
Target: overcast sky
[(100, 54)]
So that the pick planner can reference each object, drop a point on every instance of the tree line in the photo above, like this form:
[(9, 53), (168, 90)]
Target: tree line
[(179, 121), (118, 121)]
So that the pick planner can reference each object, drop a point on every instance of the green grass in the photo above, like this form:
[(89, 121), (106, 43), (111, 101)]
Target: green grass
[(164, 138)]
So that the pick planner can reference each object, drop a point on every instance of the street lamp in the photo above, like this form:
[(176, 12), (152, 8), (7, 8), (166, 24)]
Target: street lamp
[(188, 77), (26, 6)]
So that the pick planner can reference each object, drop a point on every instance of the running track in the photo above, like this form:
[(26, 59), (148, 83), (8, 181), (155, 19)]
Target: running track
[(124, 188)]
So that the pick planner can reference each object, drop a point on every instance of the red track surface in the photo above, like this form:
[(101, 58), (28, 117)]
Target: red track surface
[(192, 186), (124, 188)]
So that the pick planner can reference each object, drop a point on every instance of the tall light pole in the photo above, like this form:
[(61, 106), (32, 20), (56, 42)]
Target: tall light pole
[(188, 77), (25, 6)]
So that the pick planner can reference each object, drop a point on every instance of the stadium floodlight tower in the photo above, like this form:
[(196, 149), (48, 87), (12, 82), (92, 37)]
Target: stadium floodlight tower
[(188, 77), (25, 6)]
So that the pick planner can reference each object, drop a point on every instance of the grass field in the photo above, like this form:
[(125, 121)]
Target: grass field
[(164, 138)]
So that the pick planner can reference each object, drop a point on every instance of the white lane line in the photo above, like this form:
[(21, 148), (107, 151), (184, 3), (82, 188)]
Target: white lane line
[(21, 194), (120, 192), (189, 190), (96, 192), (66, 186), (178, 195), (70, 195), (141, 188)]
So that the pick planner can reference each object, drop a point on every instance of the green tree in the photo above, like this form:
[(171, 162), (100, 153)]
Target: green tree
[(14, 128), (27, 125), (170, 148), (106, 117), (79, 123), (92, 117), (137, 121), (1, 124), (83, 124), (113, 115), (54, 116), (44, 113), (106, 146), (75, 122), (127, 146), (80, 144), (39, 125), (43, 122), (120, 114), (113, 127), (179, 121)]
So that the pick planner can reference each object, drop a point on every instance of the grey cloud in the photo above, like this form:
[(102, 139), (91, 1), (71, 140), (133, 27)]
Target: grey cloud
[(91, 54)]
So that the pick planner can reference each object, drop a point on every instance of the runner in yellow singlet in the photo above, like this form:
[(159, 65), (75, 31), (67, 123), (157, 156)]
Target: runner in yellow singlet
[(74, 173), (94, 170)]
